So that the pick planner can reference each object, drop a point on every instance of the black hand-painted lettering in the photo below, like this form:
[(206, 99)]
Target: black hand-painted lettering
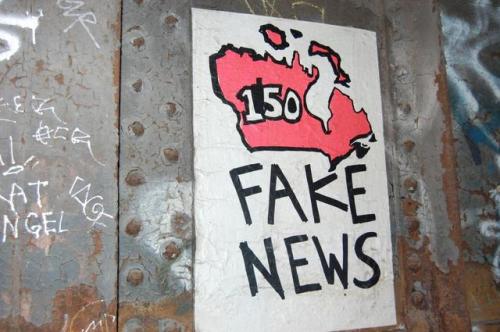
[(243, 193), (252, 261), (349, 171), (314, 186), (294, 263), (285, 192), (358, 248), (334, 266)]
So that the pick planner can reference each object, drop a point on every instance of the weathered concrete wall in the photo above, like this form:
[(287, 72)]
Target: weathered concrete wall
[(472, 49)]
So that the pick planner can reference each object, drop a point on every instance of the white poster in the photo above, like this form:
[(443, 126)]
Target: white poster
[(291, 201)]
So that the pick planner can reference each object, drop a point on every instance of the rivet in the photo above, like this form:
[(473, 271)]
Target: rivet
[(171, 21), (171, 155), (410, 207), (137, 128), (138, 42), (410, 185), (402, 74), (137, 85), (418, 299), (135, 277), (413, 262), (409, 145), (404, 108), (133, 228), (135, 178), (171, 109), (171, 251), (413, 224)]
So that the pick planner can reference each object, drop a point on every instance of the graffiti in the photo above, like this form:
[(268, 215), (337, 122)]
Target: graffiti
[(490, 229), (35, 223), (17, 105), (16, 168), (71, 9), (44, 134), (12, 41), (81, 322), (471, 47), (92, 207), (471, 43)]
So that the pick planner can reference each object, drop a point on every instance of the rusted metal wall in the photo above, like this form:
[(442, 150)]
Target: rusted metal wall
[(472, 51), (59, 81), (69, 280)]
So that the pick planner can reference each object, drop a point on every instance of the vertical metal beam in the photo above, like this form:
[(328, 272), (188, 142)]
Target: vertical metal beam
[(59, 74), (156, 167), (429, 239)]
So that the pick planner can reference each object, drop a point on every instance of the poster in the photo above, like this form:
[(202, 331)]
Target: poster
[(290, 199)]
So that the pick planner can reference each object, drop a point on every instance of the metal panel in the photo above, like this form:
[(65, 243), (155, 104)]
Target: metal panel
[(59, 77), (472, 46)]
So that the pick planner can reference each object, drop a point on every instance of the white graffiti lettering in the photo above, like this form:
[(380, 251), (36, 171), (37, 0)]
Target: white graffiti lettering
[(71, 9), (14, 167), (12, 41), (92, 207)]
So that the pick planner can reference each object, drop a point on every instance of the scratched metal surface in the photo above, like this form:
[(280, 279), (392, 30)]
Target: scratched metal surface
[(58, 165), (472, 50)]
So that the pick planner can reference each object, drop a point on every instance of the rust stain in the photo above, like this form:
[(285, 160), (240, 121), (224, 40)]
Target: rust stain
[(138, 42), (135, 178), (96, 238), (137, 85), (137, 128), (171, 251), (171, 155), (414, 228), (171, 21), (133, 227), (451, 290), (75, 308), (171, 109), (59, 79), (39, 66), (116, 85), (410, 207), (178, 309), (409, 146), (25, 303), (433, 300), (482, 294)]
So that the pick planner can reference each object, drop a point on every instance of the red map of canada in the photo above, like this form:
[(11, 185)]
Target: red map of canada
[(269, 98)]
